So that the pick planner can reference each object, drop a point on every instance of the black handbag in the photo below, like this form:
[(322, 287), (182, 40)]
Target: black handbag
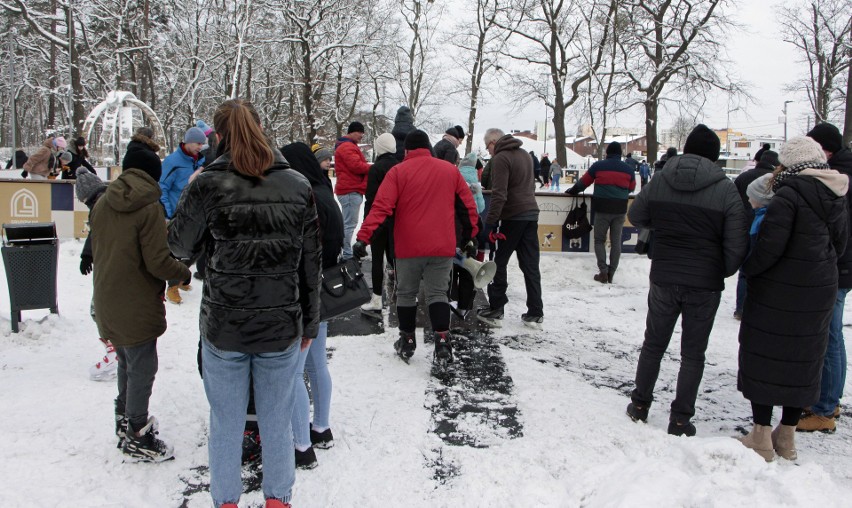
[(342, 289), (576, 224)]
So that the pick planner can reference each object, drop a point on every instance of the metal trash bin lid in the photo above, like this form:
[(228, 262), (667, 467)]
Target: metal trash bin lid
[(35, 233)]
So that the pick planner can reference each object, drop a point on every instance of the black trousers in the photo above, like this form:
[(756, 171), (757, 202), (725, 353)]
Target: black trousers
[(522, 239), (665, 304), (381, 244), (137, 367)]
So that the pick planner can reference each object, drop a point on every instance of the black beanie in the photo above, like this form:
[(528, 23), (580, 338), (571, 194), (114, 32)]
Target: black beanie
[(671, 151), (461, 131), (704, 142), (771, 158), (828, 136), (417, 139), (614, 148), (355, 127), (144, 159)]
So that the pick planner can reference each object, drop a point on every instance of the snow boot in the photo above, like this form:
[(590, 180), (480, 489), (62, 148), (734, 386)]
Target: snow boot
[(185, 286), (760, 440), (534, 322), (443, 348), (173, 295), (784, 441), (637, 413), (681, 429), (143, 445), (322, 440), (601, 277), (306, 459), (105, 370), (251, 446), (405, 345), (814, 422), (491, 317)]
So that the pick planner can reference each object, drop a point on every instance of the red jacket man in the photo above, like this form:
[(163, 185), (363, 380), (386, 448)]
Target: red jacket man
[(351, 169), (425, 195)]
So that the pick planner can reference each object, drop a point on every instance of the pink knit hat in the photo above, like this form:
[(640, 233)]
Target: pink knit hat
[(60, 142)]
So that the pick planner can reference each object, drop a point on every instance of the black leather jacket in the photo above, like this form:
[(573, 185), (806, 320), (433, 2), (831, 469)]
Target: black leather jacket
[(263, 250)]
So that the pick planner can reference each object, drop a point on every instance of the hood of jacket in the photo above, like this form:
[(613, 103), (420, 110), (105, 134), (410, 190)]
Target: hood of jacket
[(842, 161), (835, 181), (690, 173), (508, 142), (144, 140), (302, 160), (131, 191)]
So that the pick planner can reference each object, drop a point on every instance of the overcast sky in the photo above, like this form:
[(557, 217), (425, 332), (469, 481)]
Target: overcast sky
[(759, 56)]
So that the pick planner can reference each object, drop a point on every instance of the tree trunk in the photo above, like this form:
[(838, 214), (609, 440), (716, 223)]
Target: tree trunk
[(651, 106), (308, 93), (51, 99), (847, 126), (559, 125), (78, 114)]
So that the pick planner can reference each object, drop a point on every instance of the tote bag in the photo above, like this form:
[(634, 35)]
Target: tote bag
[(576, 225), (342, 289)]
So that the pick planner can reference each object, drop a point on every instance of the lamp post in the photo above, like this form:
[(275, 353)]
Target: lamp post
[(785, 119), (728, 132)]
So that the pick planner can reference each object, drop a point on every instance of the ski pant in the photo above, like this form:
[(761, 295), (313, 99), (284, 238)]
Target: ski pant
[(137, 366), (665, 304)]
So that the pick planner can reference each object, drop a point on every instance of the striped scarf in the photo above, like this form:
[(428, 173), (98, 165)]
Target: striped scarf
[(794, 170)]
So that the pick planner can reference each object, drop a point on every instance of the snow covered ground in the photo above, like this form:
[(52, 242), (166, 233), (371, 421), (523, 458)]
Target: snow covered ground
[(574, 446)]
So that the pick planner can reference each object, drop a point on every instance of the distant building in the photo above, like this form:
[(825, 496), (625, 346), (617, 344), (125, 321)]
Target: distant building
[(587, 146), (746, 145)]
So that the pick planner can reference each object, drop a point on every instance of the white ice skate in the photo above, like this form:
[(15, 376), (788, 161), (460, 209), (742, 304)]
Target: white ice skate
[(105, 370)]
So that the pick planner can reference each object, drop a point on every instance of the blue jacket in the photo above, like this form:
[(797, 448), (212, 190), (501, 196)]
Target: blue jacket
[(177, 168), (469, 174)]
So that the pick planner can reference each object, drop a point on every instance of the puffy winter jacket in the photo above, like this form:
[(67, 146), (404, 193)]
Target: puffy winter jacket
[(425, 196), (699, 223), (446, 150), (42, 162), (261, 239), (403, 123), (842, 162), (350, 166), (132, 260), (792, 286), (177, 168), (512, 186)]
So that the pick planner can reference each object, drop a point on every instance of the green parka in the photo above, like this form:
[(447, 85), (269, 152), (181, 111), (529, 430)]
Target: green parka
[(132, 260)]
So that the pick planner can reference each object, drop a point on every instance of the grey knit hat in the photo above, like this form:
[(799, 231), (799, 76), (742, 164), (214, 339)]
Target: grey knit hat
[(323, 154), (760, 189), (88, 186)]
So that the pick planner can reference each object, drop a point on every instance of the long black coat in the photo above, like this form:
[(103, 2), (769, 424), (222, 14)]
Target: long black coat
[(842, 162), (792, 286), (261, 239)]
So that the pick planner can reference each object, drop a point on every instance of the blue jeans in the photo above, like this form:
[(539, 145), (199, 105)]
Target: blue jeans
[(317, 367), (834, 364), (742, 286), (226, 383), (321, 390), (350, 205)]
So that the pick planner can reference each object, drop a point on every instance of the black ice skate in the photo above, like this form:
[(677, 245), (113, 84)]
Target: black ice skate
[(443, 350), (143, 445), (405, 345)]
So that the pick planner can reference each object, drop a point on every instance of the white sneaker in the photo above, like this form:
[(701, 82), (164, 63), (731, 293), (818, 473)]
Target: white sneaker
[(374, 305), (105, 370)]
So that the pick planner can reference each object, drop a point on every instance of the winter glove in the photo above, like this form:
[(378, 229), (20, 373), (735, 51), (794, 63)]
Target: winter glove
[(471, 248), (494, 234), (359, 249), (86, 265)]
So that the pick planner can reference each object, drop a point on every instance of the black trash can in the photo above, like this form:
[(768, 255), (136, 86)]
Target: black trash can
[(31, 258)]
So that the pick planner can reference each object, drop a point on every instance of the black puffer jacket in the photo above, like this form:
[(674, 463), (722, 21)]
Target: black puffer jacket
[(842, 162), (403, 123), (792, 286), (261, 239), (445, 150), (699, 224), (301, 159)]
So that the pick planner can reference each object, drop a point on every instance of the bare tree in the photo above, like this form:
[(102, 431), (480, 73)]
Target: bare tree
[(820, 31), (418, 76), (676, 47), (556, 53)]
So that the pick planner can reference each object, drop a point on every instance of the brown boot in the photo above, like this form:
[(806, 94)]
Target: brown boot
[(760, 440), (784, 441), (602, 277), (814, 422), (173, 294)]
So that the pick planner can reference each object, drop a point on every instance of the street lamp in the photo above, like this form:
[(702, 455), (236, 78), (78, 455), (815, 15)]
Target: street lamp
[(785, 119)]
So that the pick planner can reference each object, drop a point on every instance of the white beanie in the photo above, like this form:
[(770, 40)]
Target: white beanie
[(801, 150), (385, 143)]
